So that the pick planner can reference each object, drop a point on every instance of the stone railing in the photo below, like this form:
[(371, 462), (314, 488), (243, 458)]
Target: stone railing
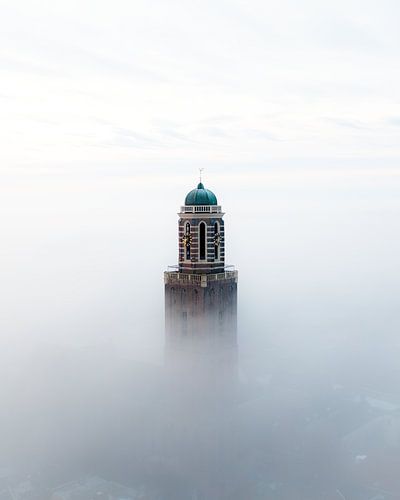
[(173, 277), (195, 209)]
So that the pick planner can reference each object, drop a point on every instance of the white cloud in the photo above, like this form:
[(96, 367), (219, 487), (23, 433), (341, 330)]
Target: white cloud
[(225, 81)]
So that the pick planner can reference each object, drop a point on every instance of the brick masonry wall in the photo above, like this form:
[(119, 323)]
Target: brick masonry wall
[(201, 319)]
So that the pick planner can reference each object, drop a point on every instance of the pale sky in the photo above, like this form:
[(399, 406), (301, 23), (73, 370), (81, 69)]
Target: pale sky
[(142, 84)]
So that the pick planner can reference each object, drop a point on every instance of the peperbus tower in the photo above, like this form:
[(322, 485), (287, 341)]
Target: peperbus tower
[(201, 292)]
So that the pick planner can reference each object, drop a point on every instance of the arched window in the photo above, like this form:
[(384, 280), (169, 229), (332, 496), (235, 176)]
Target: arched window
[(187, 248), (202, 240), (216, 241)]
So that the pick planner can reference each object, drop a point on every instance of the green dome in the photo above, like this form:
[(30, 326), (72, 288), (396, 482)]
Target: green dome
[(201, 196)]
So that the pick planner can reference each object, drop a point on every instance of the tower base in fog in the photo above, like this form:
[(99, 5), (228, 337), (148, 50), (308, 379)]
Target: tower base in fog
[(200, 322)]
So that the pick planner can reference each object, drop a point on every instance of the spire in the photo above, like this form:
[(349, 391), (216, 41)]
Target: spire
[(200, 185)]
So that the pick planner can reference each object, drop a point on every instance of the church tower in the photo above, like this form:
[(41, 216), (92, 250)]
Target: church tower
[(201, 292)]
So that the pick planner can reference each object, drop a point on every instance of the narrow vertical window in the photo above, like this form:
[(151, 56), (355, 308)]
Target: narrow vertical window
[(202, 240), (216, 241), (187, 239)]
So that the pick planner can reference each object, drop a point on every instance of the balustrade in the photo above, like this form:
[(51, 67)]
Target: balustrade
[(192, 209), (173, 277)]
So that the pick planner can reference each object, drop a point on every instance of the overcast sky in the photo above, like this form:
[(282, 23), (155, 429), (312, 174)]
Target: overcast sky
[(149, 83)]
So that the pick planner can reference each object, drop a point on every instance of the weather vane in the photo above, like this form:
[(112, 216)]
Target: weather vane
[(201, 171)]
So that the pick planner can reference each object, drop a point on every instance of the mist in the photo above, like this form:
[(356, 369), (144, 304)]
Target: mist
[(86, 391)]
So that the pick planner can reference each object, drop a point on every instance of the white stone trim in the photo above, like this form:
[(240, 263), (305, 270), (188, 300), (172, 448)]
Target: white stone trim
[(201, 209), (185, 216)]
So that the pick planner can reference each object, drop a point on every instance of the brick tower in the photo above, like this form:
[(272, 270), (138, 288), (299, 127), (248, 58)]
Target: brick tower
[(201, 293)]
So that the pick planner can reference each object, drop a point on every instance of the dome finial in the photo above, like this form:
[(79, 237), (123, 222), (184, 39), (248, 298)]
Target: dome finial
[(200, 184), (201, 195)]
